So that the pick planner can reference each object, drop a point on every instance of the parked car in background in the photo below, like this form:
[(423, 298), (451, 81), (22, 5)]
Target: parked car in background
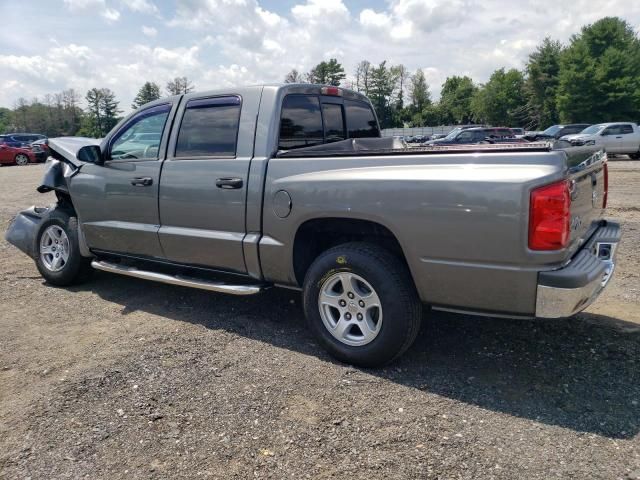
[(10, 155), (477, 135), (437, 136), (518, 132), (556, 131), (41, 149), (21, 139), (622, 138)]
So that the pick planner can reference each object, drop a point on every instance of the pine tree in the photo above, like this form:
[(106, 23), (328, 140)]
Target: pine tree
[(599, 71), (149, 92), (327, 73), (542, 84)]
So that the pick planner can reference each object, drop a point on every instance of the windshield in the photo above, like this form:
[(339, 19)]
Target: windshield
[(453, 133), (552, 130), (592, 129)]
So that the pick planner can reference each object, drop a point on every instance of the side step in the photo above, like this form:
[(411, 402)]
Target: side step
[(177, 279)]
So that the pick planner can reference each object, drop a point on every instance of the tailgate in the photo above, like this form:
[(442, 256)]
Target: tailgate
[(587, 172)]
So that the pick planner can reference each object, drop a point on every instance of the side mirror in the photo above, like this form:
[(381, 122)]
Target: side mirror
[(90, 154)]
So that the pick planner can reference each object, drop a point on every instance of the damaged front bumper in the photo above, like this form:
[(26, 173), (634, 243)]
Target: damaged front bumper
[(23, 230), (569, 290)]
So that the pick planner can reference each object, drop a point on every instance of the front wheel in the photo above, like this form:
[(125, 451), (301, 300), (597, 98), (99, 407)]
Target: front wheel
[(58, 252), (21, 159), (361, 304)]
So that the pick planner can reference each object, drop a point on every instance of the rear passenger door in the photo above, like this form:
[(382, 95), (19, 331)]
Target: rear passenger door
[(612, 138), (204, 180), (630, 142)]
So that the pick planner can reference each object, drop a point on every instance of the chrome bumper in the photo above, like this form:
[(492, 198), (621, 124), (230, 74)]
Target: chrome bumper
[(564, 292)]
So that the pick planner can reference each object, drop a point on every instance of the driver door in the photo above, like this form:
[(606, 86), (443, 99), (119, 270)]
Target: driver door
[(117, 202)]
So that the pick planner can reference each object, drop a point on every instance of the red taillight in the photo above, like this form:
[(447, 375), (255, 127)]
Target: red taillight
[(606, 185), (549, 215), (335, 91)]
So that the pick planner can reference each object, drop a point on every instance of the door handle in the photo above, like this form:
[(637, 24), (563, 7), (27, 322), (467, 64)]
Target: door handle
[(229, 183), (618, 137), (142, 182)]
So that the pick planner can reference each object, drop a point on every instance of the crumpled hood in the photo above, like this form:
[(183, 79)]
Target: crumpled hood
[(67, 148)]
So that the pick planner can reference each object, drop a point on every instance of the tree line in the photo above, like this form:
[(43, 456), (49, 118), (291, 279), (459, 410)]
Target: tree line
[(60, 114), (594, 78)]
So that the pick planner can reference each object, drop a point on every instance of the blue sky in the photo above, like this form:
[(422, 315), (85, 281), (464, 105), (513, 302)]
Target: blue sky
[(50, 45)]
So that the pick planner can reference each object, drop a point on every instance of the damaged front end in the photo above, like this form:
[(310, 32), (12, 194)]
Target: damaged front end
[(59, 170)]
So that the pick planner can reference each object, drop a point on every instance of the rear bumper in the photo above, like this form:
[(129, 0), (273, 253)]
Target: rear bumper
[(566, 291)]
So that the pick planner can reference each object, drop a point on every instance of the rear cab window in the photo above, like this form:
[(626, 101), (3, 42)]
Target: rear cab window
[(209, 128), (626, 128), (308, 120)]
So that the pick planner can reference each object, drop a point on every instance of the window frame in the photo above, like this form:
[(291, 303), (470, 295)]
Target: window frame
[(343, 115), (184, 110), (327, 99), (129, 123), (282, 107), (369, 107)]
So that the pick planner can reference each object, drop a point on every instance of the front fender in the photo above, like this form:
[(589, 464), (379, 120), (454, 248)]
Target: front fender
[(57, 176)]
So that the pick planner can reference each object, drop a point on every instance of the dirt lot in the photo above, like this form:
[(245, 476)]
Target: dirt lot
[(122, 378)]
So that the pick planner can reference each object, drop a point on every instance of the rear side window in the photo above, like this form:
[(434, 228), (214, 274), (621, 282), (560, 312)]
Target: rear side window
[(209, 128), (300, 122), (361, 121), (627, 129), (333, 122)]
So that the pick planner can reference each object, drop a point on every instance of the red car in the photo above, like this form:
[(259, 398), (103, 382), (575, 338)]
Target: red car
[(15, 155)]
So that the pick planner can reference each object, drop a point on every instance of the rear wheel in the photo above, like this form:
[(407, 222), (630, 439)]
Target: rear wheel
[(21, 159), (634, 156), (361, 304), (58, 252)]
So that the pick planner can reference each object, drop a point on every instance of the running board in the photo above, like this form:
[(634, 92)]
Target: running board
[(177, 279)]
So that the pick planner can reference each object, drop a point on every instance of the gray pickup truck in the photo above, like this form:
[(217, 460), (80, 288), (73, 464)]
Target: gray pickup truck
[(239, 190)]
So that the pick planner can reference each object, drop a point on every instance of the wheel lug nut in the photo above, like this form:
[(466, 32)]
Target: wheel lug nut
[(343, 303), (350, 295), (359, 316), (361, 303), (347, 316)]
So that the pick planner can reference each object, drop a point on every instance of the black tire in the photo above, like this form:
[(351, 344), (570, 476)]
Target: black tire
[(22, 156), (77, 268), (634, 156), (391, 280)]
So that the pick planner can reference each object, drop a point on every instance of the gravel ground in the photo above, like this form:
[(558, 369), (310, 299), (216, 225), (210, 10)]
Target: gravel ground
[(121, 378)]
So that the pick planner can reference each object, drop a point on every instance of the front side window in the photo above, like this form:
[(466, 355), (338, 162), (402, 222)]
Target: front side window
[(209, 128), (612, 130), (126, 144), (361, 121), (300, 122), (465, 136)]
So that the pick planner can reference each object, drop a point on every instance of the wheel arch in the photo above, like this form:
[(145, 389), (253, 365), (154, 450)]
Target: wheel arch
[(318, 235)]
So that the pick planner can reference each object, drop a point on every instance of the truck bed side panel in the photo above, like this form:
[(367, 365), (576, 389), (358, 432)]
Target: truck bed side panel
[(458, 218)]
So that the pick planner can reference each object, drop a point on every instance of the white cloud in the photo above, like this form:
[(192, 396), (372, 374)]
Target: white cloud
[(110, 14), (219, 43), (149, 31), (83, 4), (142, 6)]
